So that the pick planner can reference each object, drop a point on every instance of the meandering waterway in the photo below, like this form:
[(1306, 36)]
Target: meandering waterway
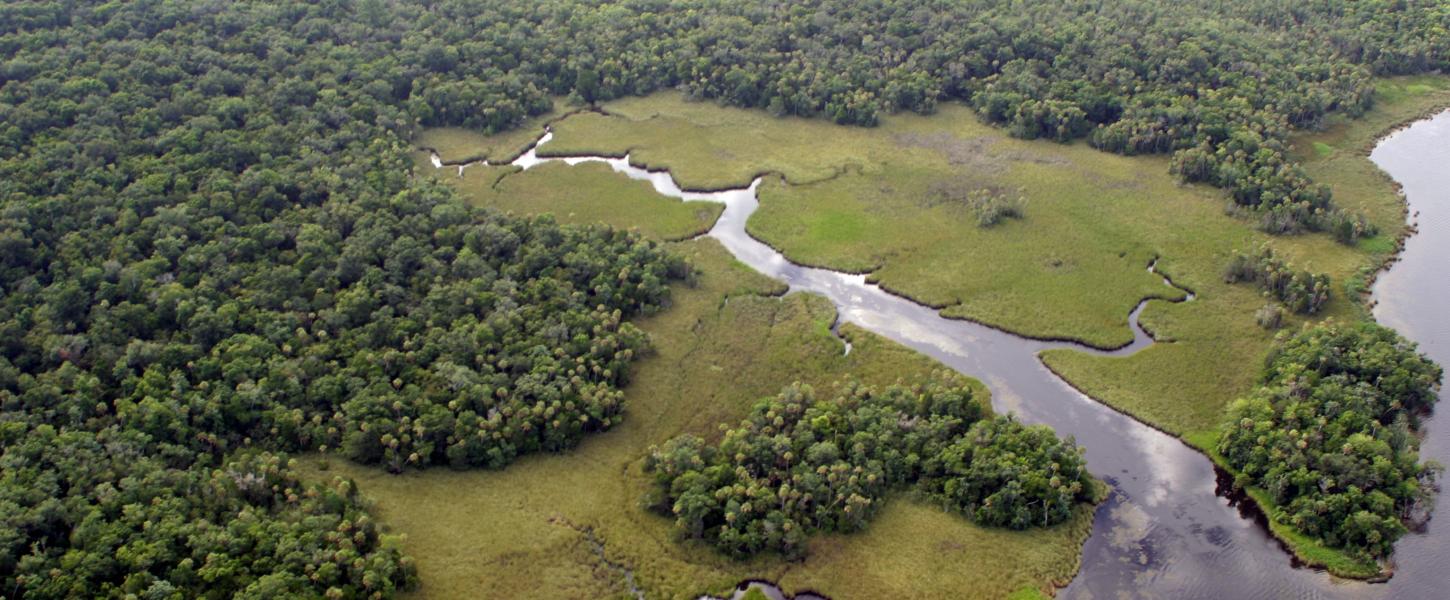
[(1166, 529)]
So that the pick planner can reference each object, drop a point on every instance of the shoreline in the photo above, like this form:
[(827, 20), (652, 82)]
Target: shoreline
[(1366, 303)]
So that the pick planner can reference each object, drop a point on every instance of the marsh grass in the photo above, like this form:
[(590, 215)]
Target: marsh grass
[(1073, 268), (709, 147), (860, 200)]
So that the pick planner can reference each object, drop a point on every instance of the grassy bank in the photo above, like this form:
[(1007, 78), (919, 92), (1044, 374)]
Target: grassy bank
[(586, 193), (1339, 153), (461, 145)]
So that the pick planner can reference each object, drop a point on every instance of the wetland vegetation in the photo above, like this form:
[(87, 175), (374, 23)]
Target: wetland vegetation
[(219, 245), (639, 126), (1301, 291), (584, 194)]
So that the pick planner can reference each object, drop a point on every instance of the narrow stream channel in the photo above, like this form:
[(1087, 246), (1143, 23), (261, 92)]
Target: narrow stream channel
[(1165, 531)]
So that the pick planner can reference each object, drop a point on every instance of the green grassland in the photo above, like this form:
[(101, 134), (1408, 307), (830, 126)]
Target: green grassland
[(586, 193), (1073, 268), (567, 525), (1338, 153)]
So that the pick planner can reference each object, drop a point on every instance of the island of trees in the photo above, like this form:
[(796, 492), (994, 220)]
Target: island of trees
[(1330, 435), (798, 465)]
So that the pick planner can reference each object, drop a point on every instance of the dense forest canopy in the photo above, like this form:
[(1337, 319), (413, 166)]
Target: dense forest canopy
[(211, 250)]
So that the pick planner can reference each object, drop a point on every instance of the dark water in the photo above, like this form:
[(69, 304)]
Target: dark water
[(1165, 531), (1414, 298)]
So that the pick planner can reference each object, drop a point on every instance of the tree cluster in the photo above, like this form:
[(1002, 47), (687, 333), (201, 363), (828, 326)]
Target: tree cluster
[(1301, 291), (990, 205), (1331, 434), (1270, 316), (797, 466)]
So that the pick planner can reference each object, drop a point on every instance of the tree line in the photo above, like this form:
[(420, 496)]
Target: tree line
[(1218, 84)]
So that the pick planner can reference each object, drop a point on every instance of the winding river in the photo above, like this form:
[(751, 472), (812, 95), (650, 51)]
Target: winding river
[(1412, 298), (1166, 530)]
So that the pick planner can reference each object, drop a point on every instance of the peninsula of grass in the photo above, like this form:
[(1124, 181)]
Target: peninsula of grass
[(585, 193), (551, 526)]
